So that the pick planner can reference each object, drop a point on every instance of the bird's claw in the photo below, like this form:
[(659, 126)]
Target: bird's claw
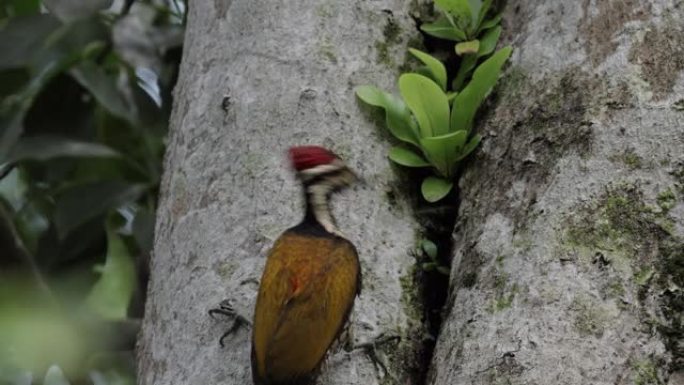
[(370, 348), (377, 341), (226, 308)]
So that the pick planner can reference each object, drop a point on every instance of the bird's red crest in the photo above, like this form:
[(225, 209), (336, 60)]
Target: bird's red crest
[(305, 157)]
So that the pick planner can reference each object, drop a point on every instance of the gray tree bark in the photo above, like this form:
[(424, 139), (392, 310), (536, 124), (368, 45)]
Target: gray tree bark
[(569, 259), (256, 78)]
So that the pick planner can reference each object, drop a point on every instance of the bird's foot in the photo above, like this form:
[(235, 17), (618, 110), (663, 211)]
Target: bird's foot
[(225, 308), (380, 340), (370, 348)]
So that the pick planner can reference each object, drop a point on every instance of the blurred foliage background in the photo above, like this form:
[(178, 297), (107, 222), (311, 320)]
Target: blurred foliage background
[(85, 90)]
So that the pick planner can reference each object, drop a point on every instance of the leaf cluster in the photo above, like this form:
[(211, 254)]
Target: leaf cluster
[(83, 116), (434, 121), (471, 24), (428, 252)]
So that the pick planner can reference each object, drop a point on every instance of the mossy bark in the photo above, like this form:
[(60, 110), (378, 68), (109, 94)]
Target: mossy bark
[(256, 78), (569, 246)]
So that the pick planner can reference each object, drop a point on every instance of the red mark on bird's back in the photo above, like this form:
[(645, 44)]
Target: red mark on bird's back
[(294, 284)]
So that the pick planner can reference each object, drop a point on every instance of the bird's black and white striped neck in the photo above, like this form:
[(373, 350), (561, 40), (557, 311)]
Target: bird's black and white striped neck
[(319, 183)]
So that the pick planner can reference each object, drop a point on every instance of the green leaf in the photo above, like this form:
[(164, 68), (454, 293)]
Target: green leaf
[(442, 151), (435, 67), (22, 37), (460, 10), (14, 188), (486, 5), (81, 203), (63, 51), (13, 109), (428, 103), (493, 22), (111, 294), (45, 147), (443, 270), (467, 64), (428, 266), (469, 147), (443, 29), (11, 126), (488, 41), (104, 89), (467, 47), (407, 158), (434, 188), (475, 9), (397, 115), (74, 10), (468, 101), (14, 8), (429, 248), (71, 43)]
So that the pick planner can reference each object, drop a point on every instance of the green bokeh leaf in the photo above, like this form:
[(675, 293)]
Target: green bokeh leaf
[(406, 157), (397, 115), (428, 103), (442, 151), (443, 29), (83, 202), (11, 127), (435, 67), (54, 376), (22, 37), (69, 10), (46, 147), (104, 88), (112, 293), (14, 8), (64, 48), (484, 78), (434, 188)]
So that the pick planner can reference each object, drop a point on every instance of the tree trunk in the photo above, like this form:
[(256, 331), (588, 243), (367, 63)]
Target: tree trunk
[(256, 78), (569, 261)]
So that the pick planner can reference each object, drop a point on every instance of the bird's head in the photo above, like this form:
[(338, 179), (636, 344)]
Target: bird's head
[(319, 166)]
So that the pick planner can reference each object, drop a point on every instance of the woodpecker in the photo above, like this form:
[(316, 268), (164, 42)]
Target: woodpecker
[(311, 278)]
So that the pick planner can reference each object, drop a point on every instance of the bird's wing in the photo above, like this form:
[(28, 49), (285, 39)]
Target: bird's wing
[(274, 293), (322, 286)]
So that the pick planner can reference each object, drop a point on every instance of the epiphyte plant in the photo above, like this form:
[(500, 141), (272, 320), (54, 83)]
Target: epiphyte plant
[(466, 22), (432, 121), (436, 120), (462, 21)]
